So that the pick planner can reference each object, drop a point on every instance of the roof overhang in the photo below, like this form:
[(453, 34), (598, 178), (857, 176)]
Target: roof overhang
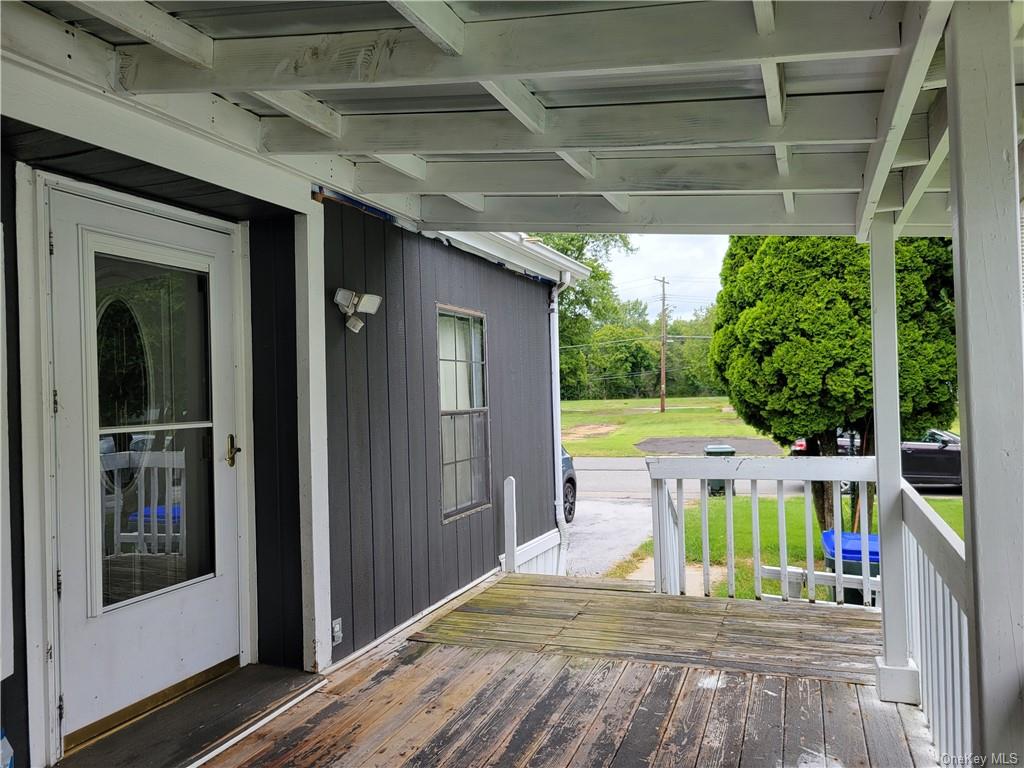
[(701, 117), (518, 252)]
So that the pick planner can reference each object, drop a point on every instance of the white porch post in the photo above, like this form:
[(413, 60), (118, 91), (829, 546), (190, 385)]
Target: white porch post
[(898, 678), (990, 345), (311, 364)]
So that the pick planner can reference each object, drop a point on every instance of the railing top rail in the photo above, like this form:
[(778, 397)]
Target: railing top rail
[(943, 547), (853, 468)]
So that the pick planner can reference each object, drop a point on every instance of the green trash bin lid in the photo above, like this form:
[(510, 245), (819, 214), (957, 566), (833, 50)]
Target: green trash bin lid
[(719, 450)]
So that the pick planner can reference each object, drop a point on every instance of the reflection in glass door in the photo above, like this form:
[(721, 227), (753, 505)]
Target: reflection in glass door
[(155, 425)]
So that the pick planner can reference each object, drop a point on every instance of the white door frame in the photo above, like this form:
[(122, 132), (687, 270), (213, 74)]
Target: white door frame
[(38, 450)]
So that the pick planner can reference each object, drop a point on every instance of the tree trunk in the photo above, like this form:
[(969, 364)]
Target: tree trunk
[(823, 444)]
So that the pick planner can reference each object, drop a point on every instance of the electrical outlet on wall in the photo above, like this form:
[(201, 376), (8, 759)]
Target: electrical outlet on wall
[(336, 633)]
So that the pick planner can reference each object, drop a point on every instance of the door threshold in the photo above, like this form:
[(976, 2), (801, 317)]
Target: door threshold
[(196, 723)]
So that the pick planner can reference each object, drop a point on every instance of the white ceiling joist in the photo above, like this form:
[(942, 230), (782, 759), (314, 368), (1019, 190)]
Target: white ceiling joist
[(517, 99), (437, 21), (474, 202), (811, 173), (738, 214), (917, 179), (734, 214), (304, 108), (647, 39), (833, 119), (408, 166), (160, 29), (581, 161), (923, 27)]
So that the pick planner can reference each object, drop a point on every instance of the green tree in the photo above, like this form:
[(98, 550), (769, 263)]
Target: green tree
[(689, 371), (792, 339), (632, 313), (584, 306), (623, 363)]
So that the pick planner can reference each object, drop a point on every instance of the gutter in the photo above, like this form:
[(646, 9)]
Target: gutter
[(565, 277)]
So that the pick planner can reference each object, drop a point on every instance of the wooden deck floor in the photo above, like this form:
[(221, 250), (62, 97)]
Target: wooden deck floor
[(482, 686)]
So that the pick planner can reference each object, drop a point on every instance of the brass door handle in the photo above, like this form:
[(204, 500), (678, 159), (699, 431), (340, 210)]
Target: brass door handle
[(233, 450)]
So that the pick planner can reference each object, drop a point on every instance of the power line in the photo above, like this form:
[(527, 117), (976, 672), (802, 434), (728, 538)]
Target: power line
[(670, 337)]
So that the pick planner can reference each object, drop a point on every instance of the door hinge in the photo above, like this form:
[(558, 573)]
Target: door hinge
[(60, 583), (60, 707), (51, 242), (56, 406)]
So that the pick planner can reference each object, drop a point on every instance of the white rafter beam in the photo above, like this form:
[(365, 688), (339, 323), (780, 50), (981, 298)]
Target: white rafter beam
[(437, 21), (645, 39), (473, 202), (833, 119), (517, 99), (409, 166), (764, 16), (730, 214), (923, 27), (727, 174), (304, 108), (149, 23), (581, 161), (918, 179), (618, 200)]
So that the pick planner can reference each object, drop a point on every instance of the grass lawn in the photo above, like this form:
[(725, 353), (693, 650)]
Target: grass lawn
[(950, 509), (619, 424)]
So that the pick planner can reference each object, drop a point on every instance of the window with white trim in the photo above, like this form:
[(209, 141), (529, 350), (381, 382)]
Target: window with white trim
[(465, 443)]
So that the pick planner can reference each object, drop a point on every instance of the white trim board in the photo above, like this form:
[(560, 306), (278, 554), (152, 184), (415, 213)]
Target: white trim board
[(534, 548)]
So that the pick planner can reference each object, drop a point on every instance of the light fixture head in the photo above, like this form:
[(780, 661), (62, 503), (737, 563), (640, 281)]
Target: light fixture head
[(346, 300), (354, 324), (368, 303)]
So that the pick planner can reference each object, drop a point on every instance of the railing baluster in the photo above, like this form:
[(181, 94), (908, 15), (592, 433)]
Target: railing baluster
[(704, 545), (730, 556), (809, 540), (783, 565), (657, 532), (681, 534), (865, 564), (755, 522), (837, 529)]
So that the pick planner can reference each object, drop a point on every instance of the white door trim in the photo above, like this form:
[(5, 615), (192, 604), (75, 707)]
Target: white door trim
[(38, 451)]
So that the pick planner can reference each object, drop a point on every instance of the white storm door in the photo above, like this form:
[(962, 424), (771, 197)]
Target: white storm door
[(143, 367)]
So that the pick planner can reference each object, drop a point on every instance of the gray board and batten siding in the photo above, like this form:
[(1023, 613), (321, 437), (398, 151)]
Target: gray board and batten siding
[(391, 555)]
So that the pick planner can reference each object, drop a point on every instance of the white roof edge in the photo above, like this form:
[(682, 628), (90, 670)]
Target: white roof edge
[(517, 251)]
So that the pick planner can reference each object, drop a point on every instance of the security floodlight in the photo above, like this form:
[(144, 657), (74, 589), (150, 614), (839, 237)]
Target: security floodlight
[(346, 300), (354, 324), (368, 303)]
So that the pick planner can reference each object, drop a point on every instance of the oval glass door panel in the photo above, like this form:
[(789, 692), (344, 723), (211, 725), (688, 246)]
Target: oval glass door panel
[(155, 426)]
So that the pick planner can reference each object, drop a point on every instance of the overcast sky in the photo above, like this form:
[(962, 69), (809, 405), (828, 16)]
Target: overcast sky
[(690, 262)]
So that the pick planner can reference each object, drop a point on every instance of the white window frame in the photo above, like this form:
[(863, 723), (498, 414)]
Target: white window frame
[(455, 311)]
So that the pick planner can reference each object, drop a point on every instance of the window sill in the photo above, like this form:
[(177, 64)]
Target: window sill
[(465, 513)]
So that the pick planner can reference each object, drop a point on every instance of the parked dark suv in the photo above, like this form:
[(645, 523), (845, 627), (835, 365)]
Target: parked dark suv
[(568, 486), (932, 460)]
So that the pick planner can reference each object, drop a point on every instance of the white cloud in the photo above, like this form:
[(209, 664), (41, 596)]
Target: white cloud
[(691, 263)]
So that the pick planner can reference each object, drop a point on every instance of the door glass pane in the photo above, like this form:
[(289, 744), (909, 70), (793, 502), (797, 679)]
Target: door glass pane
[(153, 367), (157, 501), (152, 343)]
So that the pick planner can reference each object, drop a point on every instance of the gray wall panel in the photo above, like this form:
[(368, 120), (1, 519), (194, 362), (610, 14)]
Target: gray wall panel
[(391, 555)]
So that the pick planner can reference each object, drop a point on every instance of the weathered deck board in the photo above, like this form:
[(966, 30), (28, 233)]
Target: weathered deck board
[(606, 618), (549, 673)]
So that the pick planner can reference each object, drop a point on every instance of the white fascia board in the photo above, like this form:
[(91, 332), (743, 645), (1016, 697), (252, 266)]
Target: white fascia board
[(515, 251)]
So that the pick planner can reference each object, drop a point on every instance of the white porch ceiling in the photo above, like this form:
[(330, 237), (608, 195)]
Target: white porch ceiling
[(758, 116)]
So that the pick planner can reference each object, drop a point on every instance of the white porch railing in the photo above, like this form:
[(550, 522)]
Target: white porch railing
[(938, 599), (669, 522)]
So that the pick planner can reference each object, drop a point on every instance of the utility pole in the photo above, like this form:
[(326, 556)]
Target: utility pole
[(664, 337)]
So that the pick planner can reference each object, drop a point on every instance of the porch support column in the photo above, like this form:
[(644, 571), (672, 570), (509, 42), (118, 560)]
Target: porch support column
[(311, 365), (990, 350), (898, 678)]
